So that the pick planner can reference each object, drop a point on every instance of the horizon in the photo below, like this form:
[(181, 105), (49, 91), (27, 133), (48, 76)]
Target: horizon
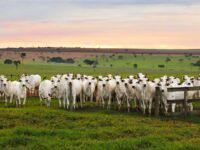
[(112, 48), (129, 24)]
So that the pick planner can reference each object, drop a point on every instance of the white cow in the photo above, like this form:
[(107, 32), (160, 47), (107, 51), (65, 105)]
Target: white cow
[(103, 90), (45, 92), (33, 80), (175, 95), (120, 91), (2, 77), (89, 84), (75, 90), (15, 89)]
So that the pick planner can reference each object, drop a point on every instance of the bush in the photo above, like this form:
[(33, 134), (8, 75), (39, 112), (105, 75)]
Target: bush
[(90, 62), (8, 61), (167, 59), (70, 61), (135, 66), (161, 66), (61, 60), (120, 57), (197, 64)]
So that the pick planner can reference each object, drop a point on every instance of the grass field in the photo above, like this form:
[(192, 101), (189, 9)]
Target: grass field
[(178, 66), (37, 127)]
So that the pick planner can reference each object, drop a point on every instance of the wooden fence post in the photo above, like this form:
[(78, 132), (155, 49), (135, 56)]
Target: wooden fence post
[(185, 106), (157, 101)]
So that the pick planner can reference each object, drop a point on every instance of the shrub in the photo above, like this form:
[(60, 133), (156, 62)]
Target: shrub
[(120, 57), (90, 62), (61, 60), (161, 66), (197, 63), (70, 61), (135, 66), (167, 59), (8, 61)]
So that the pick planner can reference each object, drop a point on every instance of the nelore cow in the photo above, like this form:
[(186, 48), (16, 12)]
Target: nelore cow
[(72, 91)]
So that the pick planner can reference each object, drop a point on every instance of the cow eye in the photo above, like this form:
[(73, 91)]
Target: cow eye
[(20, 80), (26, 80), (51, 80), (58, 80)]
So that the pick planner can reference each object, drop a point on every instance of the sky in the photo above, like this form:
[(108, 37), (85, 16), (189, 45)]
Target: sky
[(100, 23)]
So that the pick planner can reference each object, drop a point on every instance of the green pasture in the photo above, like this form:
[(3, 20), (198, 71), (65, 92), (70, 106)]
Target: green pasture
[(41, 128), (111, 64)]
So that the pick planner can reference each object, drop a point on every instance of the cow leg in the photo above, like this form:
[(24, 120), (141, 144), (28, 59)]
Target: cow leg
[(60, 103), (103, 101), (84, 97), (48, 103), (81, 100), (109, 101), (143, 107), (67, 102), (24, 102), (11, 98), (64, 103), (6, 101), (19, 101), (150, 106), (74, 101), (190, 106), (91, 98), (119, 103), (173, 107), (128, 104)]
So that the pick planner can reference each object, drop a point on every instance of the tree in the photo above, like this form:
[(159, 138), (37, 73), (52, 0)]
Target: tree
[(16, 63), (8, 61), (22, 55), (161, 66), (90, 62), (135, 66), (120, 57), (167, 59), (197, 64)]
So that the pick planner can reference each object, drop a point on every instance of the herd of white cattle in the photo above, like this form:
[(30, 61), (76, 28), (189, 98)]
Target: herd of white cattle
[(75, 90)]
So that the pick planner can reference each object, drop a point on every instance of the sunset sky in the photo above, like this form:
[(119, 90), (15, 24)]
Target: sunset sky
[(100, 23)]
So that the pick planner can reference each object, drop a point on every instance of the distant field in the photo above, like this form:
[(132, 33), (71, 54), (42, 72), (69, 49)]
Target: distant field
[(112, 64)]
